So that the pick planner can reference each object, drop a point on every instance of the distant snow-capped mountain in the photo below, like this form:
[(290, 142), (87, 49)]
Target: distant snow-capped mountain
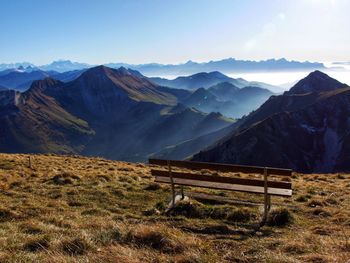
[(229, 65), (5, 66), (64, 65)]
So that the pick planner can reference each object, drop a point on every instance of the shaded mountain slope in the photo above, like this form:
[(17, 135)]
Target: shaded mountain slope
[(187, 148), (204, 100), (235, 104), (290, 101), (224, 90), (306, 132), (3, 88), (180, 94), (68, 75), (34, 122)]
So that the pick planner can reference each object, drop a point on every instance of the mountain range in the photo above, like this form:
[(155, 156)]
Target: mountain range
[(21, 78), (228, 65), (121, 114), (306, 129), (231, 97), (206, 80), (236, 103), (115, 113)]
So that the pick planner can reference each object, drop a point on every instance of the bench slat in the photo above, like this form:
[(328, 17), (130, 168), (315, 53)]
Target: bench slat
[(225, 186), (222, 179), (221, 167)]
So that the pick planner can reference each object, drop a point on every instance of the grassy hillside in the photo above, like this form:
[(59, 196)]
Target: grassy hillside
[(78, 209)]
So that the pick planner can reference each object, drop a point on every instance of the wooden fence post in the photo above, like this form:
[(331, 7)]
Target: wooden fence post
[(30, 162)]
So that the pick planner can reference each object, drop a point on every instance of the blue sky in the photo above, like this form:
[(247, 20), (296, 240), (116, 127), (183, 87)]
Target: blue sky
[(165, 31)]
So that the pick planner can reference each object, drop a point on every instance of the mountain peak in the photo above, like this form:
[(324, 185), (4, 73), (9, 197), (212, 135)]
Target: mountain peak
[(100, 68), (190, 62), (101, 87), (318, 74), (217, 74), (225, 85), (121, 71), (40, 85), (316, 81), (64, 65)]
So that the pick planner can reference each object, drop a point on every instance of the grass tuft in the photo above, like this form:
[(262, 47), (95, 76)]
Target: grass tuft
[(302, 198), (321, 212), (37, 244), (30, 228), (155, 239), (75, 246), (191, 209), (8, 215), (241, 215), (153, 187), (279, 217)]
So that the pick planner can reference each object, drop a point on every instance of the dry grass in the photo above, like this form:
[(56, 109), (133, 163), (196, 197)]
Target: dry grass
[(78, 209)]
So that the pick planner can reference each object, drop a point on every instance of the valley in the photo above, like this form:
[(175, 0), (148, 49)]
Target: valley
[(121, 114)]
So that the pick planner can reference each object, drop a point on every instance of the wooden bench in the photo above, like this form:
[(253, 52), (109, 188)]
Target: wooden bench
[(256, 186)]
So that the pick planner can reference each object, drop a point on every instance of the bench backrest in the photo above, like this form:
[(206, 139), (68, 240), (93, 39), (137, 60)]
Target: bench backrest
[(222, 182)]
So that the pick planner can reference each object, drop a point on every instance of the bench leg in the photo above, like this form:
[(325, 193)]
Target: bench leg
[(173, 194), (182, 193), (172, 184), (267, 200)]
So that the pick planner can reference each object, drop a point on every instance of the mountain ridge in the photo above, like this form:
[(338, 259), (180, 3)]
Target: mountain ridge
[(207, 80)]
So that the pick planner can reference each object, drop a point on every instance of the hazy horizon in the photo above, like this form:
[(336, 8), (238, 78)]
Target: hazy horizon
[(326, 63), (284, 78)]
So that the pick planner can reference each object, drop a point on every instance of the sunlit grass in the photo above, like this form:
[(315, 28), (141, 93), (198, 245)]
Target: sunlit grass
[(75, 209)]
